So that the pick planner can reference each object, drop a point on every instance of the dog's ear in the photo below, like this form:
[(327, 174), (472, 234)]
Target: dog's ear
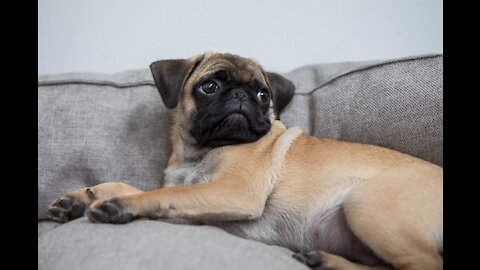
[(282, 91), (170, 77)]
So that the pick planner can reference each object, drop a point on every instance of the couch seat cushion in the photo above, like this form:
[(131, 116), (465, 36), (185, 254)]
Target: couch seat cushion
[(149, 244)]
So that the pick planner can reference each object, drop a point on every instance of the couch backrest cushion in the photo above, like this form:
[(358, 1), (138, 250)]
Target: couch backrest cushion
[(396, 104)]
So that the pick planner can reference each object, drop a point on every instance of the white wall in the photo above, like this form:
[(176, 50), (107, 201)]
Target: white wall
[(116, 35)]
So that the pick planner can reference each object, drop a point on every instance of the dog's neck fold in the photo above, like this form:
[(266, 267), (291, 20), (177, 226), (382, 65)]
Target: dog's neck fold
[(184, 148)]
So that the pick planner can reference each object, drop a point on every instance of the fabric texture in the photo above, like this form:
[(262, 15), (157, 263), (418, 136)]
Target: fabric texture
[(397, 104), (147, 244), (45, 226), (95, 128)]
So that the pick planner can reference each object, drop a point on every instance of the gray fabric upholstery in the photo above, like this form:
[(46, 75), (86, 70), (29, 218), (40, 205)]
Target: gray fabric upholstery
[(395, 104), (46, 226), (146, 244), (94, 128)]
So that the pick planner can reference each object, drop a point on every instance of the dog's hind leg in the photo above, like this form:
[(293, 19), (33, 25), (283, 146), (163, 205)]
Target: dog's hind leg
[(321, 260), (73, 204), (398, 215)]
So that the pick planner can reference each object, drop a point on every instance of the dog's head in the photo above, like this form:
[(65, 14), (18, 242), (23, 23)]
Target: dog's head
[(221, 99)]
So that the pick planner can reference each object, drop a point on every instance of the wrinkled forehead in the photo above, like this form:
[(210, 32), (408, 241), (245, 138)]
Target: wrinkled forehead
[(241, 69)]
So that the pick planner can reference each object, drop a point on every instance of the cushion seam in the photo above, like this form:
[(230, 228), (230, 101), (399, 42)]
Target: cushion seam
[(151, 83), (98, 83), (367, 68)]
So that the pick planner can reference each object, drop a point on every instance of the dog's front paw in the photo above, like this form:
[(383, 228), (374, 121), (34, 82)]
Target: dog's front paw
[(109, 211), (65, 209)]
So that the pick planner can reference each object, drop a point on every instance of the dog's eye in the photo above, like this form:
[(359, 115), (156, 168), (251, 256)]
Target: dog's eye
[(209, 87), (263, 96)]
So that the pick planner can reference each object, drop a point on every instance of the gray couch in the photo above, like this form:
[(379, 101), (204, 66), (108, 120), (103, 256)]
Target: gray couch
[(94, 128)]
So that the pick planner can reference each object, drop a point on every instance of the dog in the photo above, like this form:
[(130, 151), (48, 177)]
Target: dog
[(338, 205)]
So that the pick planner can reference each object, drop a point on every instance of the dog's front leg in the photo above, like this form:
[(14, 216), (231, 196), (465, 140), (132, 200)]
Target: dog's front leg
[(224, 200), (73, 204)]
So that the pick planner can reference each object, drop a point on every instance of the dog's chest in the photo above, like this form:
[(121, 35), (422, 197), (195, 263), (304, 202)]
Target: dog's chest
[(192, 172)]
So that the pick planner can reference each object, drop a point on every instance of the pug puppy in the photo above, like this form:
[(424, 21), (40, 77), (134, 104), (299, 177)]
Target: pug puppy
[(340, 205)]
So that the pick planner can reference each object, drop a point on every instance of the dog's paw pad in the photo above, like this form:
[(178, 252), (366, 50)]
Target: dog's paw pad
[(311, 259), (65, 209), (108, 212)]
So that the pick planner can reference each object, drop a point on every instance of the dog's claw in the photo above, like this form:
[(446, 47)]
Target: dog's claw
[(64, 209), (311, 259)]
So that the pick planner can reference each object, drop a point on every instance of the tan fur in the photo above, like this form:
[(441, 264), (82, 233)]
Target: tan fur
[(102, 192), (288, 181), (334, 262)]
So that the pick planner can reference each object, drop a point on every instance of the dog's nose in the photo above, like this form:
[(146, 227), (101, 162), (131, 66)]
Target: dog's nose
[(240, 94)]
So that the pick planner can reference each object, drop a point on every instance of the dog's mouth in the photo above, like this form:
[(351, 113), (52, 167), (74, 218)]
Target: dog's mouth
[(237, 125), (236, 117)]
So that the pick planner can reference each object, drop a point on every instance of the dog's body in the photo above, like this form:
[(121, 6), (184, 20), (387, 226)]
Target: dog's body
[(234, 166)]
